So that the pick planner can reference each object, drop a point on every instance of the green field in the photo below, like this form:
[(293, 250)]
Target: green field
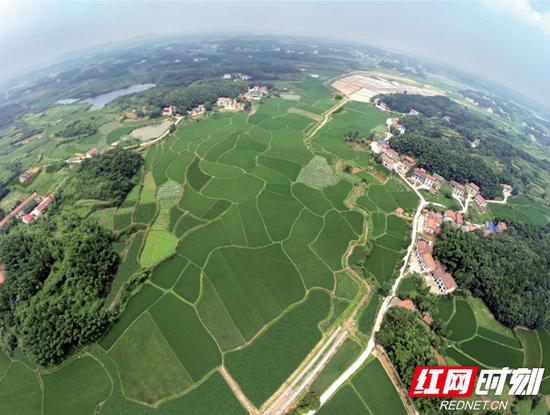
[(264, 365), (370, 391)]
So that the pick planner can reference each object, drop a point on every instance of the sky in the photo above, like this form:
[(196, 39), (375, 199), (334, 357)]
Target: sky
[(505, 41)]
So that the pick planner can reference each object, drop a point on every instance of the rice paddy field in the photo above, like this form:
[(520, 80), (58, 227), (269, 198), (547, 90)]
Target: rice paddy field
[(369, 391), (244, 221)]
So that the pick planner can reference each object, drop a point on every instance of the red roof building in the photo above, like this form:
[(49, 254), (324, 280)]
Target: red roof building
[(28, 218), (428, 319), (444, 281), (42, 205), (408, 304), (2, 273), (92, 153), (408, 162), (481, 203)]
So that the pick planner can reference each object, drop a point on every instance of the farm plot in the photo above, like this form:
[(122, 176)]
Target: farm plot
[(149, 369), (317, 174), (463, 324), (20, 391), (255, 285), (77, 388), (264, 365), (357, 396)]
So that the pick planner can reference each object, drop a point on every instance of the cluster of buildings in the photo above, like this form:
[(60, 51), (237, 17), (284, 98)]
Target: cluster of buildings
[(229, 104), (37, 211), (429, 226), (79, 157), (256, 93), (21, 211), (28, 175), (394, 122), (169, 111), (433, 182)]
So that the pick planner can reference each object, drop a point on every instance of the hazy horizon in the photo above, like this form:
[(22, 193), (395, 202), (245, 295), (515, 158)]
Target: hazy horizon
[(506, 42)]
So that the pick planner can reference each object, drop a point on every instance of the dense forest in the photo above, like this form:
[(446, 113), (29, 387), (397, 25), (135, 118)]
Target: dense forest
[(510, 271), (408, 343), (107, 177), (462, 145), (183, 98), (58, 271)]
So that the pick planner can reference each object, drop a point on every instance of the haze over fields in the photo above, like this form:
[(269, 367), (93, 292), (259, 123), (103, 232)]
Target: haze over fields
[(506, 41)]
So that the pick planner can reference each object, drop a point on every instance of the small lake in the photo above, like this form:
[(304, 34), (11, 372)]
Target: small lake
[(100, 101)]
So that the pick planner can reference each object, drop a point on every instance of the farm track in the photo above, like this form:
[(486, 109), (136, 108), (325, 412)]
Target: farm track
[(250, 408)]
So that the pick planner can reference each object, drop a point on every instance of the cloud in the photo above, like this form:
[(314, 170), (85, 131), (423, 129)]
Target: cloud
[(525, 11)]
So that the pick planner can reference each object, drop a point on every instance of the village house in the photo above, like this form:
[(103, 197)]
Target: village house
[(419, 175), (198, 110), (507, 189), (454, 217), (169, 111), (92, 153), (426, 318), (229, 104), (226, 76), (255, 93), (391, 153), (408, 162), (224, 102), (424, 257), (443, 280), (2, 273), (28, 175), (388, 162), (37, 211), (458, 190), (408, 304), (432, 222), (481, 203), (472, 189)]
